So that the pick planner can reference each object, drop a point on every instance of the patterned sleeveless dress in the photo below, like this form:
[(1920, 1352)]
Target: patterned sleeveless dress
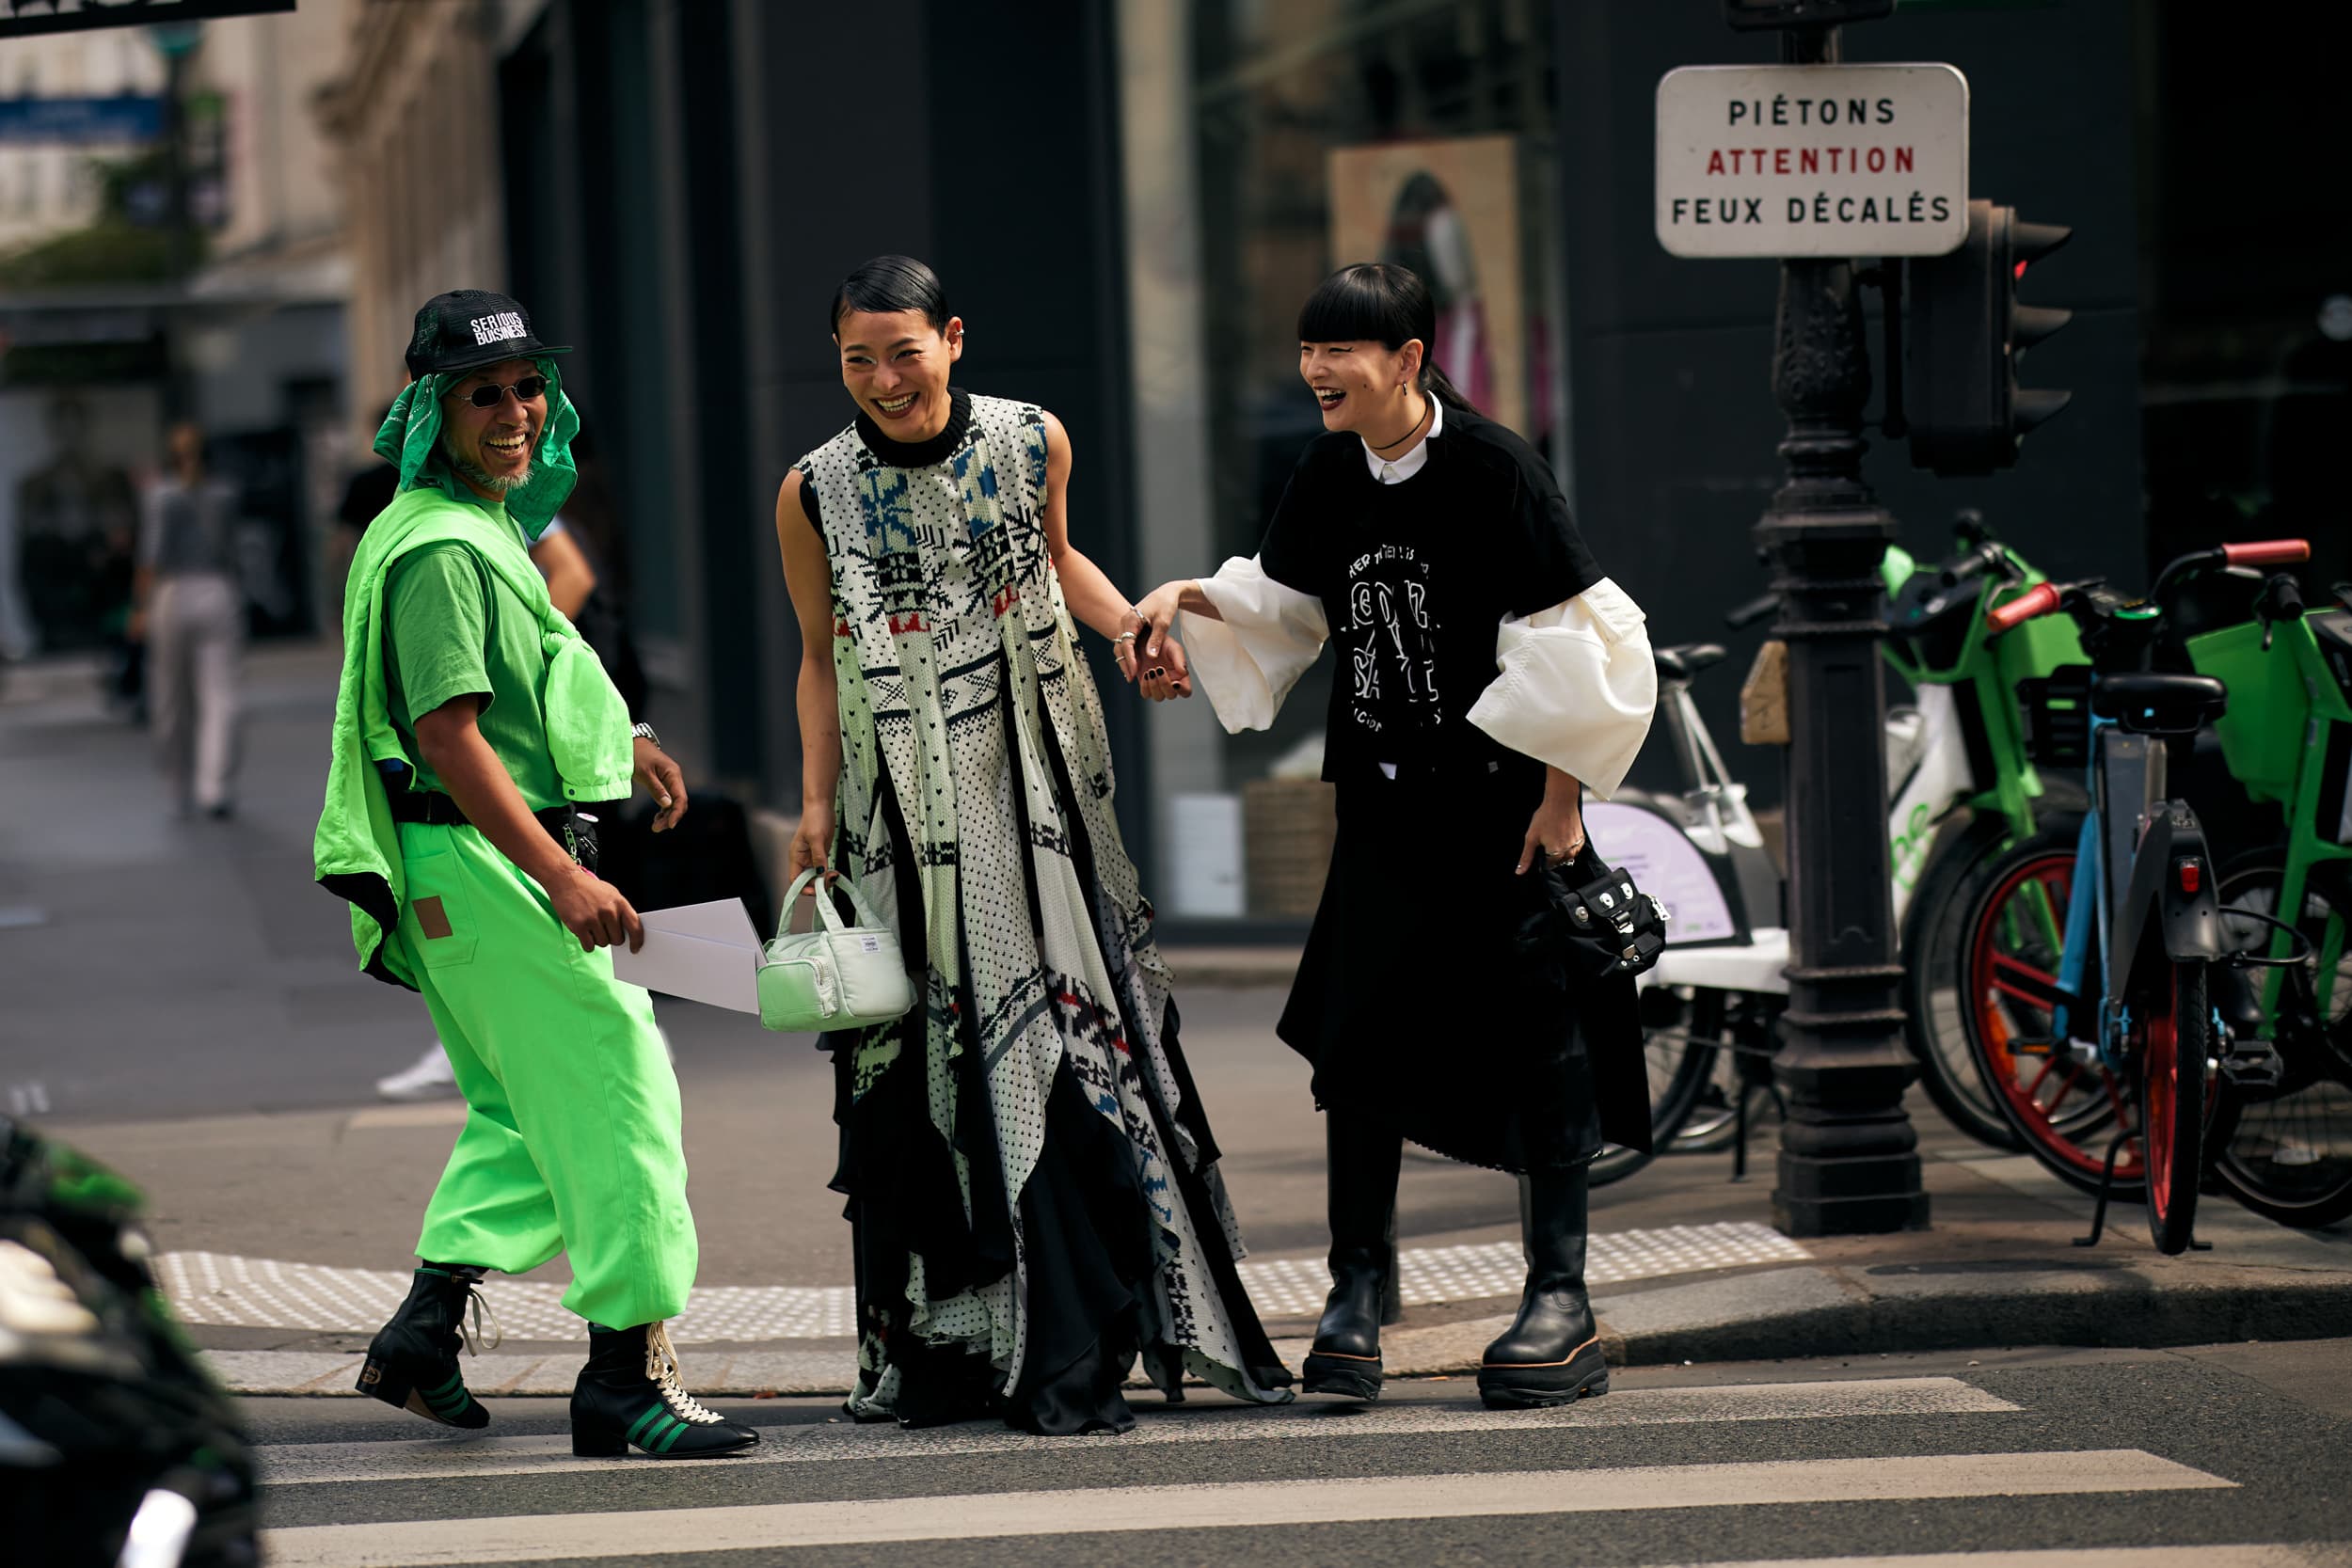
[(1031, 1181)]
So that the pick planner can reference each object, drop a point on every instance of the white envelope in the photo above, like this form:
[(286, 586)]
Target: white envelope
[(701, 952)]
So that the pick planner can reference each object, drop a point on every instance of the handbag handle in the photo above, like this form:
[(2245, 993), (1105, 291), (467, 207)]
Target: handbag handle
[(825, 911)]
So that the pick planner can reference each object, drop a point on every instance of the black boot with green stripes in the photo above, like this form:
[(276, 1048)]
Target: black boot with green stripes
[(630, 1394), (412, 1361)]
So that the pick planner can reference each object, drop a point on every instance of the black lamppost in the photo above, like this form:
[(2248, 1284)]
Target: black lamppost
[(1849, 1159)]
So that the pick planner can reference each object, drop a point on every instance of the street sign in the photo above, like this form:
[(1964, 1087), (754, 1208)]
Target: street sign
[(124, 118), (1812, 160), (28, 18)]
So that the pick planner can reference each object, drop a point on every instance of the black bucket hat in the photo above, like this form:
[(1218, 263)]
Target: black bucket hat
[(467, 328)]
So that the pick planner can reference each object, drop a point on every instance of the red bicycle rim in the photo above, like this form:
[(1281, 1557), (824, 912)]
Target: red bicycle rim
[(1996, 972)]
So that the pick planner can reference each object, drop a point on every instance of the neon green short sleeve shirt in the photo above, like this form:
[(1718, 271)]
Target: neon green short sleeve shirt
[(454, 630)]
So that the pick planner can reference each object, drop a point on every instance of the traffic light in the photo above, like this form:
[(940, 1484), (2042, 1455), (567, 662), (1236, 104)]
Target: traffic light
[(1966, 412)]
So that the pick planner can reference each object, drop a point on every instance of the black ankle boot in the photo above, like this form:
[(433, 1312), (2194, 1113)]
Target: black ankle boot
[(630, 1393), (1345, 1359), (412, 1361), (1551, 1354)]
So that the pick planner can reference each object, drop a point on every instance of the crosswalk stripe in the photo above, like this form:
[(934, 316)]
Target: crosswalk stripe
[(2316, 1556), (431, 1543), (411, 1459)]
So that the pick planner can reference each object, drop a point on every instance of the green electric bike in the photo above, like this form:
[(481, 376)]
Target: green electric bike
[(2287, 737), (1972, 792)]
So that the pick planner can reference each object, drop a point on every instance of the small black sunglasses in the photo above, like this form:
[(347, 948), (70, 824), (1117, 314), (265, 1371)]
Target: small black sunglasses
[(490, 395)]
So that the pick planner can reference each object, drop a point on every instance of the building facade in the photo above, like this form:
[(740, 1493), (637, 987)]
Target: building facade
[(114, 318), (1129, 198)]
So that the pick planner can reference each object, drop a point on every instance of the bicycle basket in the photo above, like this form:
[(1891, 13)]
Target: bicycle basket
[(2057, 710)]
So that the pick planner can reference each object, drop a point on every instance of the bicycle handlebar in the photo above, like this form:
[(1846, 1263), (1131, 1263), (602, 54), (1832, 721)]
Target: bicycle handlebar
[(2282, 599), (1741, 617), (1987, 556), (2267, 552), (2037, 601)]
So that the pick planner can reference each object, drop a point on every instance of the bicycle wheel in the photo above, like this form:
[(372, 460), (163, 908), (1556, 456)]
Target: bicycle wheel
[(2171, 1035), (1713, 1121), (1932, 991), (1678, 1068), (2289, 1157), (2066, 1110)]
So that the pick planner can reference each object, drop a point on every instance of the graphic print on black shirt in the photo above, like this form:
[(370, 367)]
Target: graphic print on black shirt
[(1415, 580), (1390, 643)]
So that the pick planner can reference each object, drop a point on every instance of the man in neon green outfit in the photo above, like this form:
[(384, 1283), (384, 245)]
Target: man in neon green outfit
[(471, 727)]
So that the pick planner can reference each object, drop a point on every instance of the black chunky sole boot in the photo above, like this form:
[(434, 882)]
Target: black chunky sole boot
[(412, 1361), (1551, 1354), (630, 1396), (1363, 1161)]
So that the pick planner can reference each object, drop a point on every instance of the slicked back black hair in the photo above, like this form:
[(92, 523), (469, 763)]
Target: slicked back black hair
[(891, 283), (1379, 302)]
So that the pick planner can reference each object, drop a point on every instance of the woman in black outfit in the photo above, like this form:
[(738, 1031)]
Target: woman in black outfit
[(1489, 674)]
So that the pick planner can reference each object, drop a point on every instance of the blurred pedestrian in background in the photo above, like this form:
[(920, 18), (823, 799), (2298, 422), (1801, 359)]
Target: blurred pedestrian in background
[(191, 612), (1030, 1175)]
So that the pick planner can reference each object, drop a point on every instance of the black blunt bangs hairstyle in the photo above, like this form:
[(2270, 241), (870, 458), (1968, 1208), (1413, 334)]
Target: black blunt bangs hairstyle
[(1383, 303), (888, 284)]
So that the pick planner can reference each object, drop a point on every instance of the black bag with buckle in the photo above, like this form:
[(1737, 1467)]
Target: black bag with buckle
[(1593, 921)]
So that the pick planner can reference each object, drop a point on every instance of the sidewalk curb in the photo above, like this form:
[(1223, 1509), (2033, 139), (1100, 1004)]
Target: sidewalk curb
[(1782, 1314), (1860, 1310)]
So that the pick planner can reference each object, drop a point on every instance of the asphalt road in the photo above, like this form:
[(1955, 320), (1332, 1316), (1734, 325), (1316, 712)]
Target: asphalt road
[(2094, 1458)]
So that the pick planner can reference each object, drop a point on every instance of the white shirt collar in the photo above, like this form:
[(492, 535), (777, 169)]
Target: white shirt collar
[(1397, 472)]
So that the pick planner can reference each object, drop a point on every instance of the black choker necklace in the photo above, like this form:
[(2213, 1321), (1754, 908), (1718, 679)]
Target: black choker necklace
[(1425, 405)]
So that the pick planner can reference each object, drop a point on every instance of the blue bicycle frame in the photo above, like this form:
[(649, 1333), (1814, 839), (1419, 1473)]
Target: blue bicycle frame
[(2103, 853)]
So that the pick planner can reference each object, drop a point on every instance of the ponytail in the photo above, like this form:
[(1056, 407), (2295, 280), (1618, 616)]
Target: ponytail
[(1436, 383)]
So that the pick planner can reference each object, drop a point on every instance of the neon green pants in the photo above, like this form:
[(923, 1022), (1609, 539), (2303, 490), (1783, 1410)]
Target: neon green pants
[(572, 1140)]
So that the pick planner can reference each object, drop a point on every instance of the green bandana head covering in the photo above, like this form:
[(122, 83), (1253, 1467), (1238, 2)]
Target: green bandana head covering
[(411, 439)]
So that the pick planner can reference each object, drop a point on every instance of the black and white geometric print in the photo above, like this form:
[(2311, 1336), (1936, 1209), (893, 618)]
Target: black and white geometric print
[(954, 653)]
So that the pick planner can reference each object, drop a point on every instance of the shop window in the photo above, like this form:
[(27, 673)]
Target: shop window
[(1334, 130)]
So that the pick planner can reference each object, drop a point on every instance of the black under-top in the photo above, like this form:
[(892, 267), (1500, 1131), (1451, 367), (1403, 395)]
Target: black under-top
[(902, 454)]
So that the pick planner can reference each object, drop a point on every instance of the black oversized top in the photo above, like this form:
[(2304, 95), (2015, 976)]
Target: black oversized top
[(1416, 577)]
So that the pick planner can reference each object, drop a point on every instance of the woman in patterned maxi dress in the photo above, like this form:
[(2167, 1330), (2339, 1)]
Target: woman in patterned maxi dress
[(1030, 1180)]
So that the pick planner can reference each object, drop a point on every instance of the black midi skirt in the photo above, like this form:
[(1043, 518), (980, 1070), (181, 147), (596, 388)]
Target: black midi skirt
[(1416, 1006)]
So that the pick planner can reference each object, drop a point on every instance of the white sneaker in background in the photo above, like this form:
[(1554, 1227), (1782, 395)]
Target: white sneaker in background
[(429, 1079)]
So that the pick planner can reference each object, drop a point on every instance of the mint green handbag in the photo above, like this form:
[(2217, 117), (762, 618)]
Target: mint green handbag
[(832, 976)]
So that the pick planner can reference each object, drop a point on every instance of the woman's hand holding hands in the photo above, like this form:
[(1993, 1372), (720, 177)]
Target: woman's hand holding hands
[(1152, 657)]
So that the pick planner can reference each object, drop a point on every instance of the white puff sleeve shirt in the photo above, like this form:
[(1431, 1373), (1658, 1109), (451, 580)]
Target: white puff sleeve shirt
[(1575, 685)]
